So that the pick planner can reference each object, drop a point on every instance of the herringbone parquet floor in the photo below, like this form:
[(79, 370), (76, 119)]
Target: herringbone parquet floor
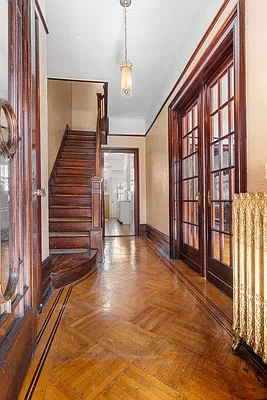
[(135, 330)]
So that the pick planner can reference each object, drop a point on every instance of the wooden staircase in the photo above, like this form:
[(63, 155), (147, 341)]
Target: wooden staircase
[(70, 208)]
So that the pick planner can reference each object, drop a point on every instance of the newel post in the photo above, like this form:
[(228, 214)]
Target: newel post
[(97, 231)]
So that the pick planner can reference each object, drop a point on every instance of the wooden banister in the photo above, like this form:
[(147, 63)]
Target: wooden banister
[(97, 181)]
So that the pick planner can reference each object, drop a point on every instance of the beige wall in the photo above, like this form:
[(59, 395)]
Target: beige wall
[(59, 115), (157, 175), (256, 53), (139, 143), (44, 141), (84, 105), (156, 140)]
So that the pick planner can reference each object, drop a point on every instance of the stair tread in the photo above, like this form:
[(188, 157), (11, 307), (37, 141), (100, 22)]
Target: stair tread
[(68, 185), (68, 251), (71, 206), (70, 219), (68, 234), (72, 195)]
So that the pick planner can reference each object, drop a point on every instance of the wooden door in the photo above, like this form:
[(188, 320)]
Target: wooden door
[(220, 148), (208, 159), (191, 184), (18, 276)]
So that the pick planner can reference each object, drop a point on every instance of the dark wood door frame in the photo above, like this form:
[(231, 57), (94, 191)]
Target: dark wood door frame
[(229, 40), (135, 152)]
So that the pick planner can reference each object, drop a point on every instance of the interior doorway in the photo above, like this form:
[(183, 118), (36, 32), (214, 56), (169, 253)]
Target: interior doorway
[(121, 194)]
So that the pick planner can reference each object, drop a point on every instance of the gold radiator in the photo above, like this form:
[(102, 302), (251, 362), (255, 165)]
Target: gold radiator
[(250, 271)]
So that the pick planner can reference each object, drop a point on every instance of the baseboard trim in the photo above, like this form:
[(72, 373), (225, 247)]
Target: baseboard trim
[(161, 240), (46, 279), (142, 230)]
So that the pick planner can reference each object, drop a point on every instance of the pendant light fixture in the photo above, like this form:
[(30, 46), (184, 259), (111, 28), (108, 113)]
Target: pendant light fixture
[(126, 65)]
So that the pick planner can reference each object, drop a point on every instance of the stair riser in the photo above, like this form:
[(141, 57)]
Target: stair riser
[(75, 163), (79, 242), (77, 149), (80, 138), (72, 180), (81, 145), (70, 212), (75, 171), (80, 226), (67, 155), (71, 190), (63, 278), (70, 201)]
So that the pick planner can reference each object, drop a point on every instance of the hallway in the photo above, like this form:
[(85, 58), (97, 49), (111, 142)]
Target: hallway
[(136, 330)]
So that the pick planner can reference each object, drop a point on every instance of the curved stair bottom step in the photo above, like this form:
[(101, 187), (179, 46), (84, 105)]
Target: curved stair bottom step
[(71, 267)]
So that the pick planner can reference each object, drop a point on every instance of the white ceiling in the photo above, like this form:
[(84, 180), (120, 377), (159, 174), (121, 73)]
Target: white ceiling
[(86, 41)]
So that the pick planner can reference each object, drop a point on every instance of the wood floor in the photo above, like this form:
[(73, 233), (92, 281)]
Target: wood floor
[(114, 228), (137, 330)]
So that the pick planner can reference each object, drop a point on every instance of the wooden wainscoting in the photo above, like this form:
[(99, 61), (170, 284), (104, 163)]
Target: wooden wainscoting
[(161, 240), (46, 280)]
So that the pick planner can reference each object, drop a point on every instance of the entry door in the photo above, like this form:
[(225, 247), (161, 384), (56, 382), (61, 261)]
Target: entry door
[(220, 174), (17, 272), (191, 185)]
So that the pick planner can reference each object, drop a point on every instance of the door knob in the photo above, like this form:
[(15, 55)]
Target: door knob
[(39, 192)]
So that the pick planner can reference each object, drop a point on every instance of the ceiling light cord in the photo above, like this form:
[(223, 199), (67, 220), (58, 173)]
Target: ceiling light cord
[(125, 32)]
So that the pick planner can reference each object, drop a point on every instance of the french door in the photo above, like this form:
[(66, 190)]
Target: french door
[(191, 184), (220, 149), (207, 136)]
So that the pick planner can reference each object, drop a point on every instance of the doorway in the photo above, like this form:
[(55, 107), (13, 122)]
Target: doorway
[(208, 160), (121, 192)]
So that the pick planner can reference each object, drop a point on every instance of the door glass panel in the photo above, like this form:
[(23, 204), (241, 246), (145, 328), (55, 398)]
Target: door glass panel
[(215, 247), (5, 199), (190, 177), (226, 194), (215, 162), (4, 49), (226, 153), (215, 127), (214, 97), (226, 249), (232, 116), (224, 89), (224, 121), (222, 160)]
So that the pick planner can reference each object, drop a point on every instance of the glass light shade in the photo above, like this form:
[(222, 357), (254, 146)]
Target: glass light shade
[(126, 78)]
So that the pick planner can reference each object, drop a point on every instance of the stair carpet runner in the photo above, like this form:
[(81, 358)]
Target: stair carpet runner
[(70, 209)]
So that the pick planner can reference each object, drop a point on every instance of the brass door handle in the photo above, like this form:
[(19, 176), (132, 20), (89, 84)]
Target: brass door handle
[(198, 198)]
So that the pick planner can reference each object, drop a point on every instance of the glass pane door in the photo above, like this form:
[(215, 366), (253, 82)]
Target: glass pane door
[(191, 195), (221, 173)]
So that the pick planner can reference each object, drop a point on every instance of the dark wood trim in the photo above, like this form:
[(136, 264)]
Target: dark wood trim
[(161, 240), (37, 204), (228, 41), (56, 162), (15, 356), (75, 80), (142, 230), (241, 101), (206, 34), (46, 280), (41, 15), (135, 152)]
